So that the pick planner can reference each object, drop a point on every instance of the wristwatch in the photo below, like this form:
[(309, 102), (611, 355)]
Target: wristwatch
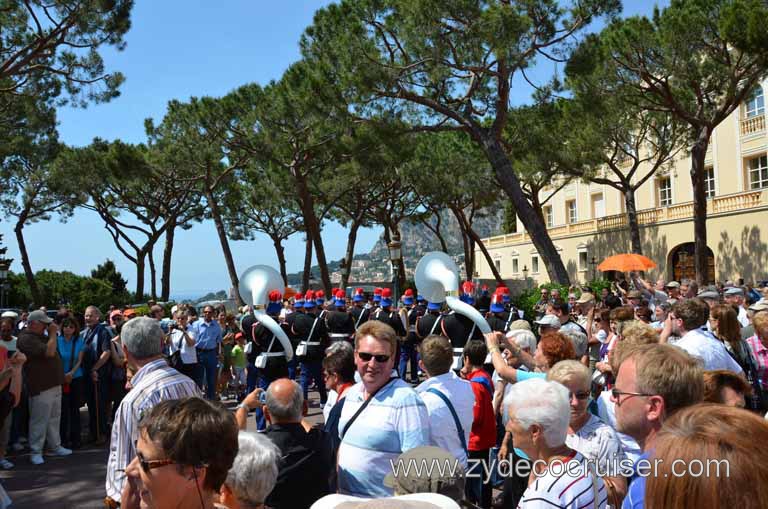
[(243, 405)]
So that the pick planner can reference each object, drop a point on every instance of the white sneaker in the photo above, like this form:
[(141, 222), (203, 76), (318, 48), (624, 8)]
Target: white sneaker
[(60, 451), (37, 459), (5, 464)]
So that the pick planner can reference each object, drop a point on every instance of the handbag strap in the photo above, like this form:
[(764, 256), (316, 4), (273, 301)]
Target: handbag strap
[(362, 407), (448, 403)]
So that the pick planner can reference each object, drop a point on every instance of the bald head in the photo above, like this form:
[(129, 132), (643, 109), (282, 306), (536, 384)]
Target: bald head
[(285, 401)]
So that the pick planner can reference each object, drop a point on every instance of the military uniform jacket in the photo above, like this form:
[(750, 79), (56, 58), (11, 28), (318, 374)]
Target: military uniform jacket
[(318, 342), (497, 322), (266, 342), (338, 323), (459, 329), (359, 316), (426, 324), (413, 317), (392, 319)]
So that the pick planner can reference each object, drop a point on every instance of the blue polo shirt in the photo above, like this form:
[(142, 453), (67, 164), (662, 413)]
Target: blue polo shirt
[(207, 335), (66, 353), (635, 498)]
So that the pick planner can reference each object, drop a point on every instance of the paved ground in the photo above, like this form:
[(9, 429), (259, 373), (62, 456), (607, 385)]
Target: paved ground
[(76, 481)]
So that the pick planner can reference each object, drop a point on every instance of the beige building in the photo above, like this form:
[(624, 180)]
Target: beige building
[(588, 222)]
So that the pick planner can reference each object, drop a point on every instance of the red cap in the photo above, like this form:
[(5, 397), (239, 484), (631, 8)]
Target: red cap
[(340, 294), (319, 294), (309, 295), (468, 286), (377, 291), (484, 288), (359, 291), (298, 296), (238, 335), (408, 293), (386, 293), (497, 298), (275, 296)]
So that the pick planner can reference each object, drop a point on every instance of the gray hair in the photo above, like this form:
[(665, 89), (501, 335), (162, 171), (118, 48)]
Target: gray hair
[(290, 412), (538, 401), (578, 340), (95, 308), (340, 346), (142, 337), (254, 473), (523, 338), (570, 370)]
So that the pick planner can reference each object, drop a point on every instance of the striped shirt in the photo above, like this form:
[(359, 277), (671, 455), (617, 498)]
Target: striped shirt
[(395, 421), (153, 383), (563, 490), (760, 354)]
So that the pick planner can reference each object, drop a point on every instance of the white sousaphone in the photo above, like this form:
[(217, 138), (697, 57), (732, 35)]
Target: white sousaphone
[(255, 284), (437, 280)]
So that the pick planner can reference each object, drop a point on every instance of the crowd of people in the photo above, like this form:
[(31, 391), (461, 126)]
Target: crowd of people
[(564, 408)]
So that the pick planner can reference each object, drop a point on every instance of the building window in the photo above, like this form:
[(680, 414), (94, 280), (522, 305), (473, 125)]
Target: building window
[(758, 172), (598, 206), (709, 182), (548, 217), (497, 263), (515, 266), (755, 104), (570, 207), (534, 264), (583, 261), (665, 191)]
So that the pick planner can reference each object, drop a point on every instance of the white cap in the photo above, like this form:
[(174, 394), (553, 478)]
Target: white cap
[(549, 321)]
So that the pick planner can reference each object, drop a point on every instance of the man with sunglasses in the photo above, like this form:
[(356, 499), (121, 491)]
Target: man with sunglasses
[(652, 383), (381, 418)]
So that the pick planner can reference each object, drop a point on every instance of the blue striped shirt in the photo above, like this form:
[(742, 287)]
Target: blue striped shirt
[(208, 335), (153, 383), (395, 421)]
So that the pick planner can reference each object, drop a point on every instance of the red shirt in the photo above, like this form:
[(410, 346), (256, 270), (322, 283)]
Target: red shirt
[(483, 434)]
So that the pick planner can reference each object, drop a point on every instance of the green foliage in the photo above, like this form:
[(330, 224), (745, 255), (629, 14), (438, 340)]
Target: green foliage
[(50, 49), (58, 288), (598, 285)]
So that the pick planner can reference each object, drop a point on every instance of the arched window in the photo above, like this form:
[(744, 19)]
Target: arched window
[(755, 103)]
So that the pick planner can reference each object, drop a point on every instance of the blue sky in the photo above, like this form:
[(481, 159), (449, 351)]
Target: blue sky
[(176, 50)]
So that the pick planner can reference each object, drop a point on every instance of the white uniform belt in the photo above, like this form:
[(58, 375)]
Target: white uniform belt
[(273, 354), (311, 343), (337, 335), (458, 351)]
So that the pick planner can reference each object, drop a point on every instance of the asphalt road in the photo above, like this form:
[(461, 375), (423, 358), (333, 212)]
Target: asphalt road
[(76, 481)]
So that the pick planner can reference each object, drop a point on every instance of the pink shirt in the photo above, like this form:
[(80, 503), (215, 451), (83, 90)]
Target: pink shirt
[(760, 353)]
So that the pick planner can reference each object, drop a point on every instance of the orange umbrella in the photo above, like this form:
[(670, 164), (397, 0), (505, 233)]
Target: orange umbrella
[(289, 292), (626, 262)]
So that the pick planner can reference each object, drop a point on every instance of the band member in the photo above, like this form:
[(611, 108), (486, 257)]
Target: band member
[(310, 329), (497, 317), (483, 303), (467, 293), (387, 315), (411, 343), (360, 313), (429, 322), (341, 325)]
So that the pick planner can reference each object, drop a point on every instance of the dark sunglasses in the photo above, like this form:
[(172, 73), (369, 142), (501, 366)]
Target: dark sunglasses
[(366, 357), (147, 465), (581, 395)]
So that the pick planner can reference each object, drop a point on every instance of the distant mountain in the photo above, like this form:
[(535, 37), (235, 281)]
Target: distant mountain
[(416, 239)]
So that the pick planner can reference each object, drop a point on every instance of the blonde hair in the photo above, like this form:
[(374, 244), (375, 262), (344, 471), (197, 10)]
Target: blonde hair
[(760, 322), (639, 333), (666, 371), (378, 330), (566, 371), (436, 354), (721, 441)]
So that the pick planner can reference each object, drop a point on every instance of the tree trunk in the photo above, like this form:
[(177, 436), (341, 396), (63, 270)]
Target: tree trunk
[(634, 227), (436, 229), (165, 277), (139, 277), (465, 244), (307, 264), (152, 272), (312, 226), (350, 253), (400, 263), (698, 155), (30, 276), (532, 220), (280, 251), (222, 232)]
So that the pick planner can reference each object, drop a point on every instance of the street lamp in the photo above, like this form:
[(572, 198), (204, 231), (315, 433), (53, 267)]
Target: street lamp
[(5, 264), (525, 275), (395, 255), (344, 272)]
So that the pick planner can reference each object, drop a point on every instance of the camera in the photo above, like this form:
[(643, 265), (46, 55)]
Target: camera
[(263, 397)]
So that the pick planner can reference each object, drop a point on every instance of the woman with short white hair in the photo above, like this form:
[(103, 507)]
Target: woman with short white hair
[(539, 415), (587, 434), (253, 474)]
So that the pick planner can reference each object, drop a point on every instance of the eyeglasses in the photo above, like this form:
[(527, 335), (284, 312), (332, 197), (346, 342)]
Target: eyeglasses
[(580, 395), (366, 357), (147, 465), (617, 394)]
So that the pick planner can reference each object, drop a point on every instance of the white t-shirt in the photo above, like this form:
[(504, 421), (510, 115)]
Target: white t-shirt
[(702, 344), (188, 353), (572, 485), (598, 442), (742, 317)]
